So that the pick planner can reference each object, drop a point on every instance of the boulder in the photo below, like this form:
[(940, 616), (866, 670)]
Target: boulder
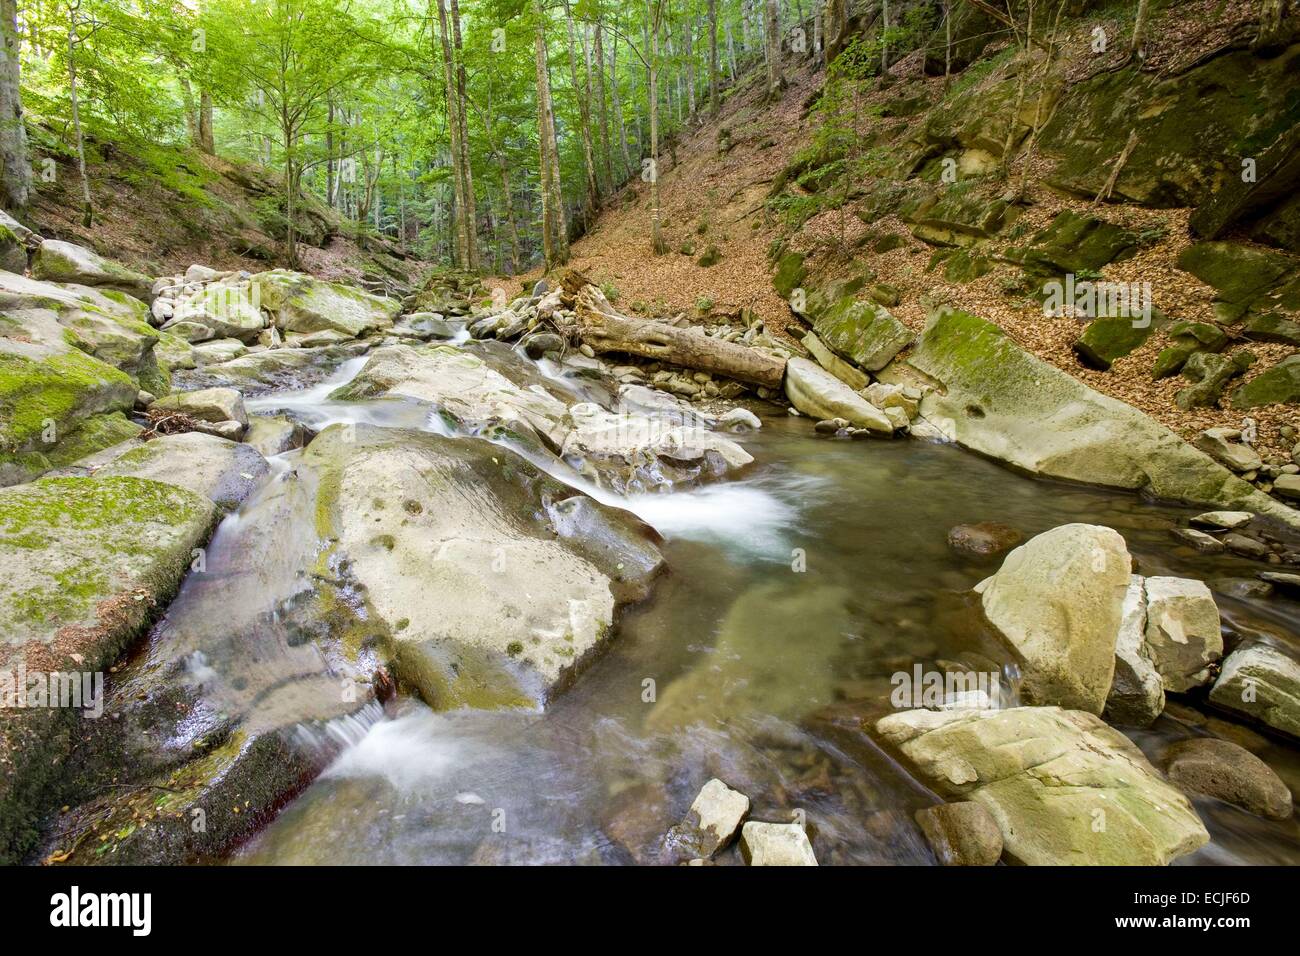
[(1009, 405), (207, 405), (1263, 682), (230, 309), (712, 822), (1185, 340), (1182, 636), (217, 351), (58, 261), (224, 472), (1064, 788), (961, 834), (1223, 445), (490, 584), (1202, 542), (1074, 243), (1058, 601), (1110, 338), (301, 303), (84, 563), (1211, 372), (1228, 772), (1276, 385), (1239, 274), (853, 377), (274, 434), (1223, 520), (820, 395), (1137, 694), (864, 333), (776, 844), (57, 408)]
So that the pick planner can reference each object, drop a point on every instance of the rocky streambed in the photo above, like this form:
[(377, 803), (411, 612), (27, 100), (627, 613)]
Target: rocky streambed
[(477, 595)]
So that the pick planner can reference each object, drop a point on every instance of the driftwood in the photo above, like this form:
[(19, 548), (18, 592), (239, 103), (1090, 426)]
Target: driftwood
[(607, 331)]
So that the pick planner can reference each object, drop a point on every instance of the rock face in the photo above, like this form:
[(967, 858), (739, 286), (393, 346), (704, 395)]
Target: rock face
[(1005, 403), (776, 844), (301, 303), (1262, 682), (492, 583), (1064, 788), (58, 261), (961, 834), (83, 564), (1058, 601), (1227, 772), (819, 394), (712, 822)]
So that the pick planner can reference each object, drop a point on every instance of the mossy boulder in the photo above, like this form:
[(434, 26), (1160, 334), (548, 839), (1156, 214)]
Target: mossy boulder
[(959, 215), (1048, 776), (1008, 404), (711, 256), (863, 332), (1272, 327), (84, 565), (301, 303), (1241, 275), (1108, 339), (965, 265), (1211, 373), (1277, 385), (58, 261), (790, 274), (223, 471), (1074, 243), (13, 254), (56, 409), (1185, 340)]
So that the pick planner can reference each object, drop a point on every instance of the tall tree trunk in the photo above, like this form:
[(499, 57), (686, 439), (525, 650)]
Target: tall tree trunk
[(1139, 28), (191, 113), (771, 30), (947, 43), (584, 122), (206, 142), (731, 54), (87, 208), (602, 105), (715, 102), (618, 109), (466, 167), (462, 228), (329, 152), (656, 236), (512, 227), (688, 27), (555, 233), (15, 166)]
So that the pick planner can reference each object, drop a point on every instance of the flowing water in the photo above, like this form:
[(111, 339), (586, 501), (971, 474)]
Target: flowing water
[(794, 593)]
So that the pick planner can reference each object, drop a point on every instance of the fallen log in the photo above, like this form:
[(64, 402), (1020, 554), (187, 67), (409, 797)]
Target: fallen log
[(607, 331)]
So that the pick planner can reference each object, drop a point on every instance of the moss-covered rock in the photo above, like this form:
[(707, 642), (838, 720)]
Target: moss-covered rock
[(1241, 275), (58, 408), (1048, 776), (959, 215), (790, 274), (863, 332), (1179, 158), (1108, 339), (1004, 402), (1211, 372), (84, 564), (1272, 327), (965, 265), (301, 303), (57, 261), (1273, 386), (1074, 243), (1185, 340)]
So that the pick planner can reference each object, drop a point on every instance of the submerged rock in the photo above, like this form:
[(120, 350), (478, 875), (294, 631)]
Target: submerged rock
[(1058, 601), (469, 562), (983, 539), (1064, 788), (1227, 772)]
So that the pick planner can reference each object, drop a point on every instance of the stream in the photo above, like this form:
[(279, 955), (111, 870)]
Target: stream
[(793, 594)]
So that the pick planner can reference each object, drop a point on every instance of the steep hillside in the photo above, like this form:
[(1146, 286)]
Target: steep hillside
[(160, 208), (924, 211)]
